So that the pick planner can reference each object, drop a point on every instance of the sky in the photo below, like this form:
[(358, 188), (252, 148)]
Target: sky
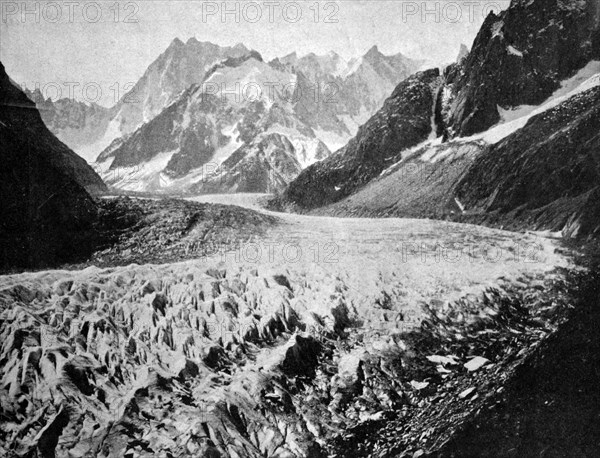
[(96, 50)]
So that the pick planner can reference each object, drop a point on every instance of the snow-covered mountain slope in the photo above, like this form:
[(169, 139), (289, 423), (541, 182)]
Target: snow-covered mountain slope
[(179, 67), (88, 129), (516, 118), (194, 137), (267, 164), (331, 96)]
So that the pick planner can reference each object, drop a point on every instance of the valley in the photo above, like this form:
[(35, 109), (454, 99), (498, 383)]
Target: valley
[(275, 253)]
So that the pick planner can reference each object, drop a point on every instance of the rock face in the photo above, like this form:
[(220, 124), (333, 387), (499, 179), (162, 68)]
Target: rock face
[(519, 58), (198, 142), (546, 175), (266, 165), (326, 99), (404, 121), (532, 103), (47, 213), (167, 132), (335, 97), (178, 68)]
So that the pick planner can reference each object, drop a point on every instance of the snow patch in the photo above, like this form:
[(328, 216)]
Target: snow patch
[(497, 29), (223, 153), (352, 67), (251, 81), (513, 120), (333, 140), (92, 151), (460, 205), (514, 51), (142, 177)]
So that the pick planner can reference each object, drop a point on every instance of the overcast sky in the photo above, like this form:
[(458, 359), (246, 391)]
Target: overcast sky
[(108, 44)]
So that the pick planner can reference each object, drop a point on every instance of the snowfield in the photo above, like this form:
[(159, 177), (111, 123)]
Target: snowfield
[(150, 359)]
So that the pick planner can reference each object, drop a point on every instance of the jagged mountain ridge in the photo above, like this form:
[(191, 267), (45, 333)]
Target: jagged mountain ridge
[(310, 119), (176, 69), (192, 138), (202, 128), (543, 177), (47, 213), (507, 195), (403, 122), (350, 91), (332, 96)]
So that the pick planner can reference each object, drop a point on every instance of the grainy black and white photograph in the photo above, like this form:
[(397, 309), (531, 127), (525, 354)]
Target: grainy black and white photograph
[(299, 229)]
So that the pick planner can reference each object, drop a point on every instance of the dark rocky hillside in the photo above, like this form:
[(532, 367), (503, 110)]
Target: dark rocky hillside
[(135, 230), (403, 122), (520, 57), (46, 211), (413, 188), (543, 176), (20, 114), (546, 174)]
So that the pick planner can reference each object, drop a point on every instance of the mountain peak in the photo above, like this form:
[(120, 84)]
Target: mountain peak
[(290, 59), (462, 53), (254, 55), (176, 42), (241, 47), (373, 52)]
